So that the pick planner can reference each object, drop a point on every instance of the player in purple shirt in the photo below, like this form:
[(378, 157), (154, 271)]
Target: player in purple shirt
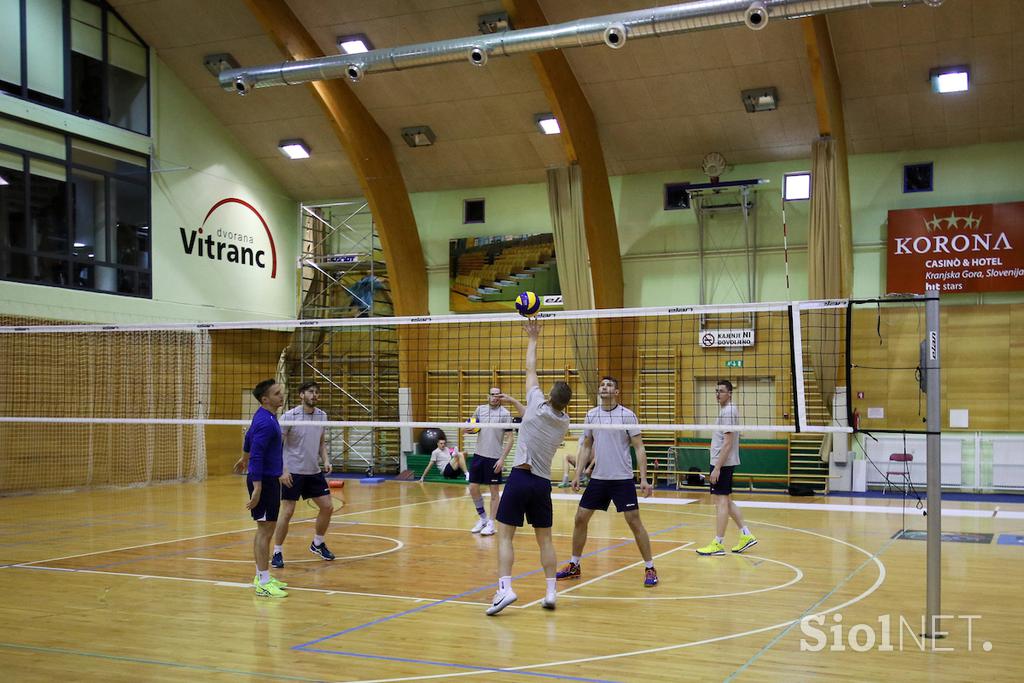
[(263, 457)]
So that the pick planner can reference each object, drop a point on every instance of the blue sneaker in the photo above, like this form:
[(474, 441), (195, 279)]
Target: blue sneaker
[(321, 550), (277, 561)]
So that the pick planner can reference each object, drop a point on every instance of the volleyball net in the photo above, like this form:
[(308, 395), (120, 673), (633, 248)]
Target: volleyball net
[(95, 405)]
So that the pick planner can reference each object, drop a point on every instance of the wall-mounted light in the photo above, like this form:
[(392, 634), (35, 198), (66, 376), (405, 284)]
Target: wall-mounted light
[(418, 136), (219, 62), (494, 23), (294, 149), (760, 99), (950, 78), (796, 186), (547, 123), (354, 44)]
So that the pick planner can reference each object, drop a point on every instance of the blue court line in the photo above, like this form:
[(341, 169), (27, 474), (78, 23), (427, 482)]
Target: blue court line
[(809, 610), (464, 594), (468, 667)]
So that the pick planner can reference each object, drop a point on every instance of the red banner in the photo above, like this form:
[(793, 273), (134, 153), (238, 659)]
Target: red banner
[(973, 248)]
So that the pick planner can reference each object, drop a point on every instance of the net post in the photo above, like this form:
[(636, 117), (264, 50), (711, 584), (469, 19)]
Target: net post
[(796, 357), (934, 469)]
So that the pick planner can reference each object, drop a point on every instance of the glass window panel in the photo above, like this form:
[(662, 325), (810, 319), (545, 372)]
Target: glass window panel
[(105, 279), (89, 211), (86, 86), (129, 100), (83, 275), (123, 49), (45, 42), (126, 281), (12, 206), (87, 29), (145, 285), (47, 219), (40, 269), (32, 139), (10, 41), (130, 213), (109, 159)]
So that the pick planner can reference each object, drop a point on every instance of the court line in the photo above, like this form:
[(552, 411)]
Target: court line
[(796, 570), (871, 509), (194, 538), (779, 636), (473, 668), (337, 533), (235, 584), (611, 573), (452, 598), (667, 648), (156, 662), (463, 530)]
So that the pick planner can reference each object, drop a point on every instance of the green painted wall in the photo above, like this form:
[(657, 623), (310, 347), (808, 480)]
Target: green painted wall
[(201, 163), (660, 265)]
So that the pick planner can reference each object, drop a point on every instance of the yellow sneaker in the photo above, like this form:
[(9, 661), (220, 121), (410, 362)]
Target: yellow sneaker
[(713, 548), (270, 590), (276, 582), (744, 543)]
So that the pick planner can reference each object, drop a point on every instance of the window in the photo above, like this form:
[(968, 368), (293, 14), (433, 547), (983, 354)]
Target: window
[(77, 56), (473, 211), (86, 225), (677, 196), (796, 186)]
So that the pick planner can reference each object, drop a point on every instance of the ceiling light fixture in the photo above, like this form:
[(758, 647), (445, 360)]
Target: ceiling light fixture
[(946, 79), (354, 44), (3, 181), (760, 99), (547, 123), (418, 136), (294, 149)]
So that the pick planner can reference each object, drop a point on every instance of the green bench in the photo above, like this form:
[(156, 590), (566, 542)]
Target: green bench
[(417, 463)]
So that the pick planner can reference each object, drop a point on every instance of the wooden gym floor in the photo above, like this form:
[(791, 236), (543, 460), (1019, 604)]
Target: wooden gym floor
[(153, 584)]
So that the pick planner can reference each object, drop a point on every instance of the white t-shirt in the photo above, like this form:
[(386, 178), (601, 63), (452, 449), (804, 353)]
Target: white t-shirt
[(490, 442), (540, 435), (611, 447), (442, 456), (302, 444), (728, 416)]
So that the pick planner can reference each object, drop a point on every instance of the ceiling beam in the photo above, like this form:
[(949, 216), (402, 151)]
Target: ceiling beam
[(582, 146), (371, 155), (828, 99)]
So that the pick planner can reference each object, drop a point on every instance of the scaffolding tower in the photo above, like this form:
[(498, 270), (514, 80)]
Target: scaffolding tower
[(343, 275)]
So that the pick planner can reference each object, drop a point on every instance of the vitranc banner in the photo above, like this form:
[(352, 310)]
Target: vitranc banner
[(972, 248)]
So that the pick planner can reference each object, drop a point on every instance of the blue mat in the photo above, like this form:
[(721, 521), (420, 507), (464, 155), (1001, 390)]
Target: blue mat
[(372, 480)]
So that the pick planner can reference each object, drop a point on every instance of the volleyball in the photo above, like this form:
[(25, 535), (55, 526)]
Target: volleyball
[(472, 429), (527, 303)]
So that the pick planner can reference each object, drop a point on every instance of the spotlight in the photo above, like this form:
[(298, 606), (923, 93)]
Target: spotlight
[(756, 16), (294, 149)]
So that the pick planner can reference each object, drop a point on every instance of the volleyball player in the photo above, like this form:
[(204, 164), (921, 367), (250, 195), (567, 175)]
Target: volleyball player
[(492, 446), (450, 462)]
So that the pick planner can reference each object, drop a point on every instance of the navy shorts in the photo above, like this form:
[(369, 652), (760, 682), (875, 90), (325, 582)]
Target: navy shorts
[(270, 499), (481, 470), (451, 473), (529, 495), (724, 485), (600, 492), (307, 486)]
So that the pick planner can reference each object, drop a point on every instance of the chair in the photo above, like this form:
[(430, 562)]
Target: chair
[(902, 460)]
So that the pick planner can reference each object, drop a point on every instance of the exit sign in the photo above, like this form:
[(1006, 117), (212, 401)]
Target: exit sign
[(734, 364)]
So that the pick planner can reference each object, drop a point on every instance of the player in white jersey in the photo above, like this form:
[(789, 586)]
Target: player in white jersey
[(528, 491), (612, 478), (492, 445), (725, 456), (304, 449)]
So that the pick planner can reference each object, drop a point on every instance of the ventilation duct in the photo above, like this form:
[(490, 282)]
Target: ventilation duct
[(613, 30)]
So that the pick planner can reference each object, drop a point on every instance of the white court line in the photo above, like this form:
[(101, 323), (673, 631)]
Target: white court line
[(195, 538), (798, 575), (872, 557), (337, 533), (612, 573), (233, 584), (875, 509), (464, 531)]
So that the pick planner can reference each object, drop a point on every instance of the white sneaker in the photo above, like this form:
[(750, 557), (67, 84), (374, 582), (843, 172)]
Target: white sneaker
[(547, 603), (479, 526), (501, 601), (488, 529)]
